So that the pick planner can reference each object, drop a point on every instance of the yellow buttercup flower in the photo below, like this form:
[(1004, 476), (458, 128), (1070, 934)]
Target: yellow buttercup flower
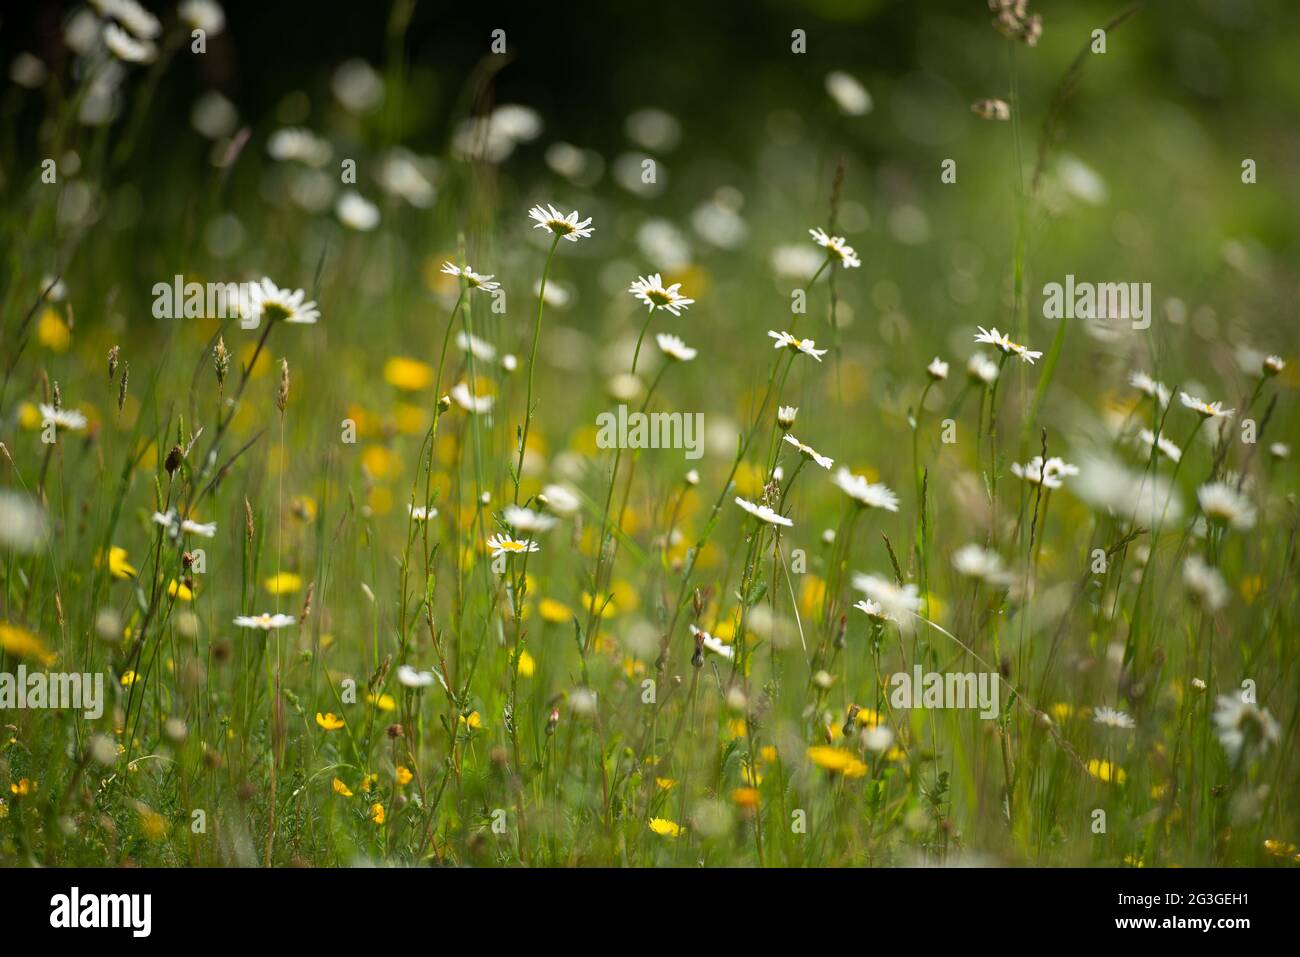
[(384, 702), (285, 583), (665, 827), (341, 788), (410, 375), (180, 591), (329, 721), (129, 679), (403, 775), (1106, 771), (118, 566), (377, 813), (527, 666), (22, 643), (554, 611), (22, 787), (369, 781), (52, 332)]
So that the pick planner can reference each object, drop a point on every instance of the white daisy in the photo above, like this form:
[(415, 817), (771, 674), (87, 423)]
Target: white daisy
[(837, 247), (1272, 365), (1169, 448), (1112, 718), (1224, 505), (268, 301), (1243, 726), (526, 520), (1048, 475), (1003, 342), (808, 452), (1279, 450), (652, 291), (560, 499), (872, 610), (567, 227), (870, 494), (785, 415), (716, 645), (981, 564), (472, 279), (899, 603), (264, 621), (69, 419), (675, 348), (937, 369), (503, 545), (806, 346), (1149, 387), (421, 513), (1207, 410), (410, 678), (1206, 583), (763, 513), (982, 369), (356, 212), (478, 405), (126, 47), (483, 351), (187, 526)]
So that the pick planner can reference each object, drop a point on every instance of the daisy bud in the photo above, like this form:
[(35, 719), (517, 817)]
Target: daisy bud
[(692, 477), (444, 404), (785, 417), (1272, 366), (697, 659), (112, 361), (937, 369)]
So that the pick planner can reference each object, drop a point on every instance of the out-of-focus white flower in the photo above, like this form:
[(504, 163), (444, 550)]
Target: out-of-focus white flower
[(357, 212), (869, 494)]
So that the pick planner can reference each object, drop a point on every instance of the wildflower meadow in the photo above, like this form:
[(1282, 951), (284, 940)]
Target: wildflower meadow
[(851, 434)]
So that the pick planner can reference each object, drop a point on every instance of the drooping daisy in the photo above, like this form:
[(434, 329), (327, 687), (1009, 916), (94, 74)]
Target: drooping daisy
[(476, 404), (1048, 475), (764, 513), (1167, 447), (421, 513), (716, 645), (869, 494), (652, 291), (981, 564), (898, 602), (808, 452), (785, 416), (472, 279), (60, 418), (937, 369), (186, 526), (675, 348), (1149, 387), (566, 227), (836, 247), (408, 677), (264, 621), (560, 499), (806, 346), (1003, 342), (1207, 410), (526, 520), (126, 47), (502, 545), (268, 301), (1243, 726), (981, 369), (1224, 505), (1112, 718), (1206, 584), (482, 350)]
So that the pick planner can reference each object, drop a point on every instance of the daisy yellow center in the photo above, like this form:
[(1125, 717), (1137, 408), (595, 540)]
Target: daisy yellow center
[(274, 310), (561, 226), (658, 296), (513, 546)]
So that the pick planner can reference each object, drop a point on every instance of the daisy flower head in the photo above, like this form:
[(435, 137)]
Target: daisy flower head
[(1206, 410), (408, 677), (526, 520), (472, 279), (898, 603), (504, 545), (872, 610), (168, 520), (764, 513), (475, 404), (981, 564), (1049, 474), (61, 418), (482, 350), (560, 499), (1242, 726), (807, 346), (865, 493), (568, 227), (652, 291), (981, 369), (1169, 448), (808, 452), (1112, 718), (268, 301), (675, 348), (265, 622), (1149, 387), (1206, 584), (1272, 365), (837, 248), (421, 513), (1004, 344), (705, 641), (126, 47), (785, 416), (990, 109), (1224, 505), (937, 369)]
